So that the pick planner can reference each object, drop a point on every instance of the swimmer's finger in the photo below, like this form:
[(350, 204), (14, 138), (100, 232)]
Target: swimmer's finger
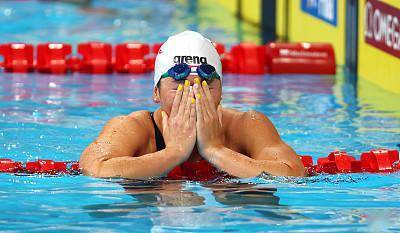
[(199, 112), (177, 100), (209, 97), (188, 103), (185, 94), (219, 111), (192, 120), (164, 121), (204, 102)]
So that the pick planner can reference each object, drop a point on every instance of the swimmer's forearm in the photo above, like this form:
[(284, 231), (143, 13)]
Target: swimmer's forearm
[(143, 167), (239, 165)]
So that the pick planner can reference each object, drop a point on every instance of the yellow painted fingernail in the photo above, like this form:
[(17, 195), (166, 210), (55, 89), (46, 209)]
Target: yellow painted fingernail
[(187, 83), (180, 87), (193, 101), (198, 96), (197, 80), (204, 83)]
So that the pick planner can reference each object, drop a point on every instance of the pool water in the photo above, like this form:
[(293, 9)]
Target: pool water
[(56, 117)]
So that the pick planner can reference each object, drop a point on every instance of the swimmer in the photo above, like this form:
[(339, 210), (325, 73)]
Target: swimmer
[(189, 126)]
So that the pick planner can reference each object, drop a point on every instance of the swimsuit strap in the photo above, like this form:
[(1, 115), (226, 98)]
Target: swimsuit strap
[(157, 134), (200, 170)]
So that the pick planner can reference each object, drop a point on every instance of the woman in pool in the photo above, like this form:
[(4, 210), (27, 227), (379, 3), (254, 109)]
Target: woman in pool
[(190, 135)]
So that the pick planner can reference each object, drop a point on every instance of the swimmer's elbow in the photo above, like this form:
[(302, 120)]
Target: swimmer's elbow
[(91, 166), (106, 168), (295, 169), (95, 170), (300, 172)]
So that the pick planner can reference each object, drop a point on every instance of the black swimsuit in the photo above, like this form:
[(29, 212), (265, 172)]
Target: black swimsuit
[(157, 134), (199, 170)]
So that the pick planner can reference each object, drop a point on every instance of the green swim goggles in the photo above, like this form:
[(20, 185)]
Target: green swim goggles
[(182, 70)]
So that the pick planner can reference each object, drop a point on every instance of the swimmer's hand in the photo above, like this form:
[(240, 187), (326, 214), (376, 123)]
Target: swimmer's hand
[(179, 128), (209, 120)]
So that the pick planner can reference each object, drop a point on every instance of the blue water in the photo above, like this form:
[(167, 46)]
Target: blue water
[(56, 117)]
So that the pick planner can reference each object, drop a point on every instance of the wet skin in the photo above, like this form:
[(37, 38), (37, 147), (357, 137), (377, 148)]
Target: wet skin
[(194, 126)]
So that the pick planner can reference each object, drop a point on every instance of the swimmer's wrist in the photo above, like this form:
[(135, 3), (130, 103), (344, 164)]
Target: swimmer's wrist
[(175, 152), (212, 151)]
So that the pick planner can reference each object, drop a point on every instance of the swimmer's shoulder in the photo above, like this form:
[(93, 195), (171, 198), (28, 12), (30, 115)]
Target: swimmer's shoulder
[(238, 119), (143, 118), (129, 132), (230, 115), (233, 115), (137, 121), (244, 128)]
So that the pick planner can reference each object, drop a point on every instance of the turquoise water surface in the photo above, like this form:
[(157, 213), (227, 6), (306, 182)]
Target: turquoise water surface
[(56, 117)]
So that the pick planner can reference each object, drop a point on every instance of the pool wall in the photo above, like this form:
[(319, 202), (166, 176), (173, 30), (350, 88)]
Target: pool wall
[(305, 27), (332, 21), (375, 65)]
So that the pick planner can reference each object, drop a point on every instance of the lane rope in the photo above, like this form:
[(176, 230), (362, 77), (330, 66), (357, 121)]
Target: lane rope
[(374, 161)]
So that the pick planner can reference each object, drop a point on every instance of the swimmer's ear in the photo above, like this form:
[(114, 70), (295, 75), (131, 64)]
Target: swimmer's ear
[(219, 111), (156, 95)]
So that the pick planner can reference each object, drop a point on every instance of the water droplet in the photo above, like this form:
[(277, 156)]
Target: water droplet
[(51, 84), (7, 12), (117, 22)]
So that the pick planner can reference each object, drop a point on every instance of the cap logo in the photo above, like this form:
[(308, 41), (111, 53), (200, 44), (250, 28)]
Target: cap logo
[(190, 59)]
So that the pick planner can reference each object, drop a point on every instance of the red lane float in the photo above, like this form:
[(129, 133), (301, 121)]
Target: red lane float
[(250, 58), (156, 47), (18, 57), (39, 167), (245, 58), (375, 161), (300, 58), (379, 160), (98, 58), (74, 64), (220, 48), (52, 58), (150, 59), (130, 58), (197, 171), (7, 165)]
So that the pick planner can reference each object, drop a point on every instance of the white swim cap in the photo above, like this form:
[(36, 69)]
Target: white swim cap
[(186, 47)]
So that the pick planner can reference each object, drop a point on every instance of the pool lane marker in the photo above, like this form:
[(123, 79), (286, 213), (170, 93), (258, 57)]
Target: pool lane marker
[(374, 161), (40, 167)]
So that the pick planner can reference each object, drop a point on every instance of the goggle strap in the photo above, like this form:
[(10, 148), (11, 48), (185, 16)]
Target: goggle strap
[(172, 74), (165, 75)]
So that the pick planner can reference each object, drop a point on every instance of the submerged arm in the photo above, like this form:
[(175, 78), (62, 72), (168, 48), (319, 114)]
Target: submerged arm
[(240, 165), (264, 151), (117, 152)]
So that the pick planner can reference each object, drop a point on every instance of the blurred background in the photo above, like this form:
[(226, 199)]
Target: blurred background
[(347, 25)]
